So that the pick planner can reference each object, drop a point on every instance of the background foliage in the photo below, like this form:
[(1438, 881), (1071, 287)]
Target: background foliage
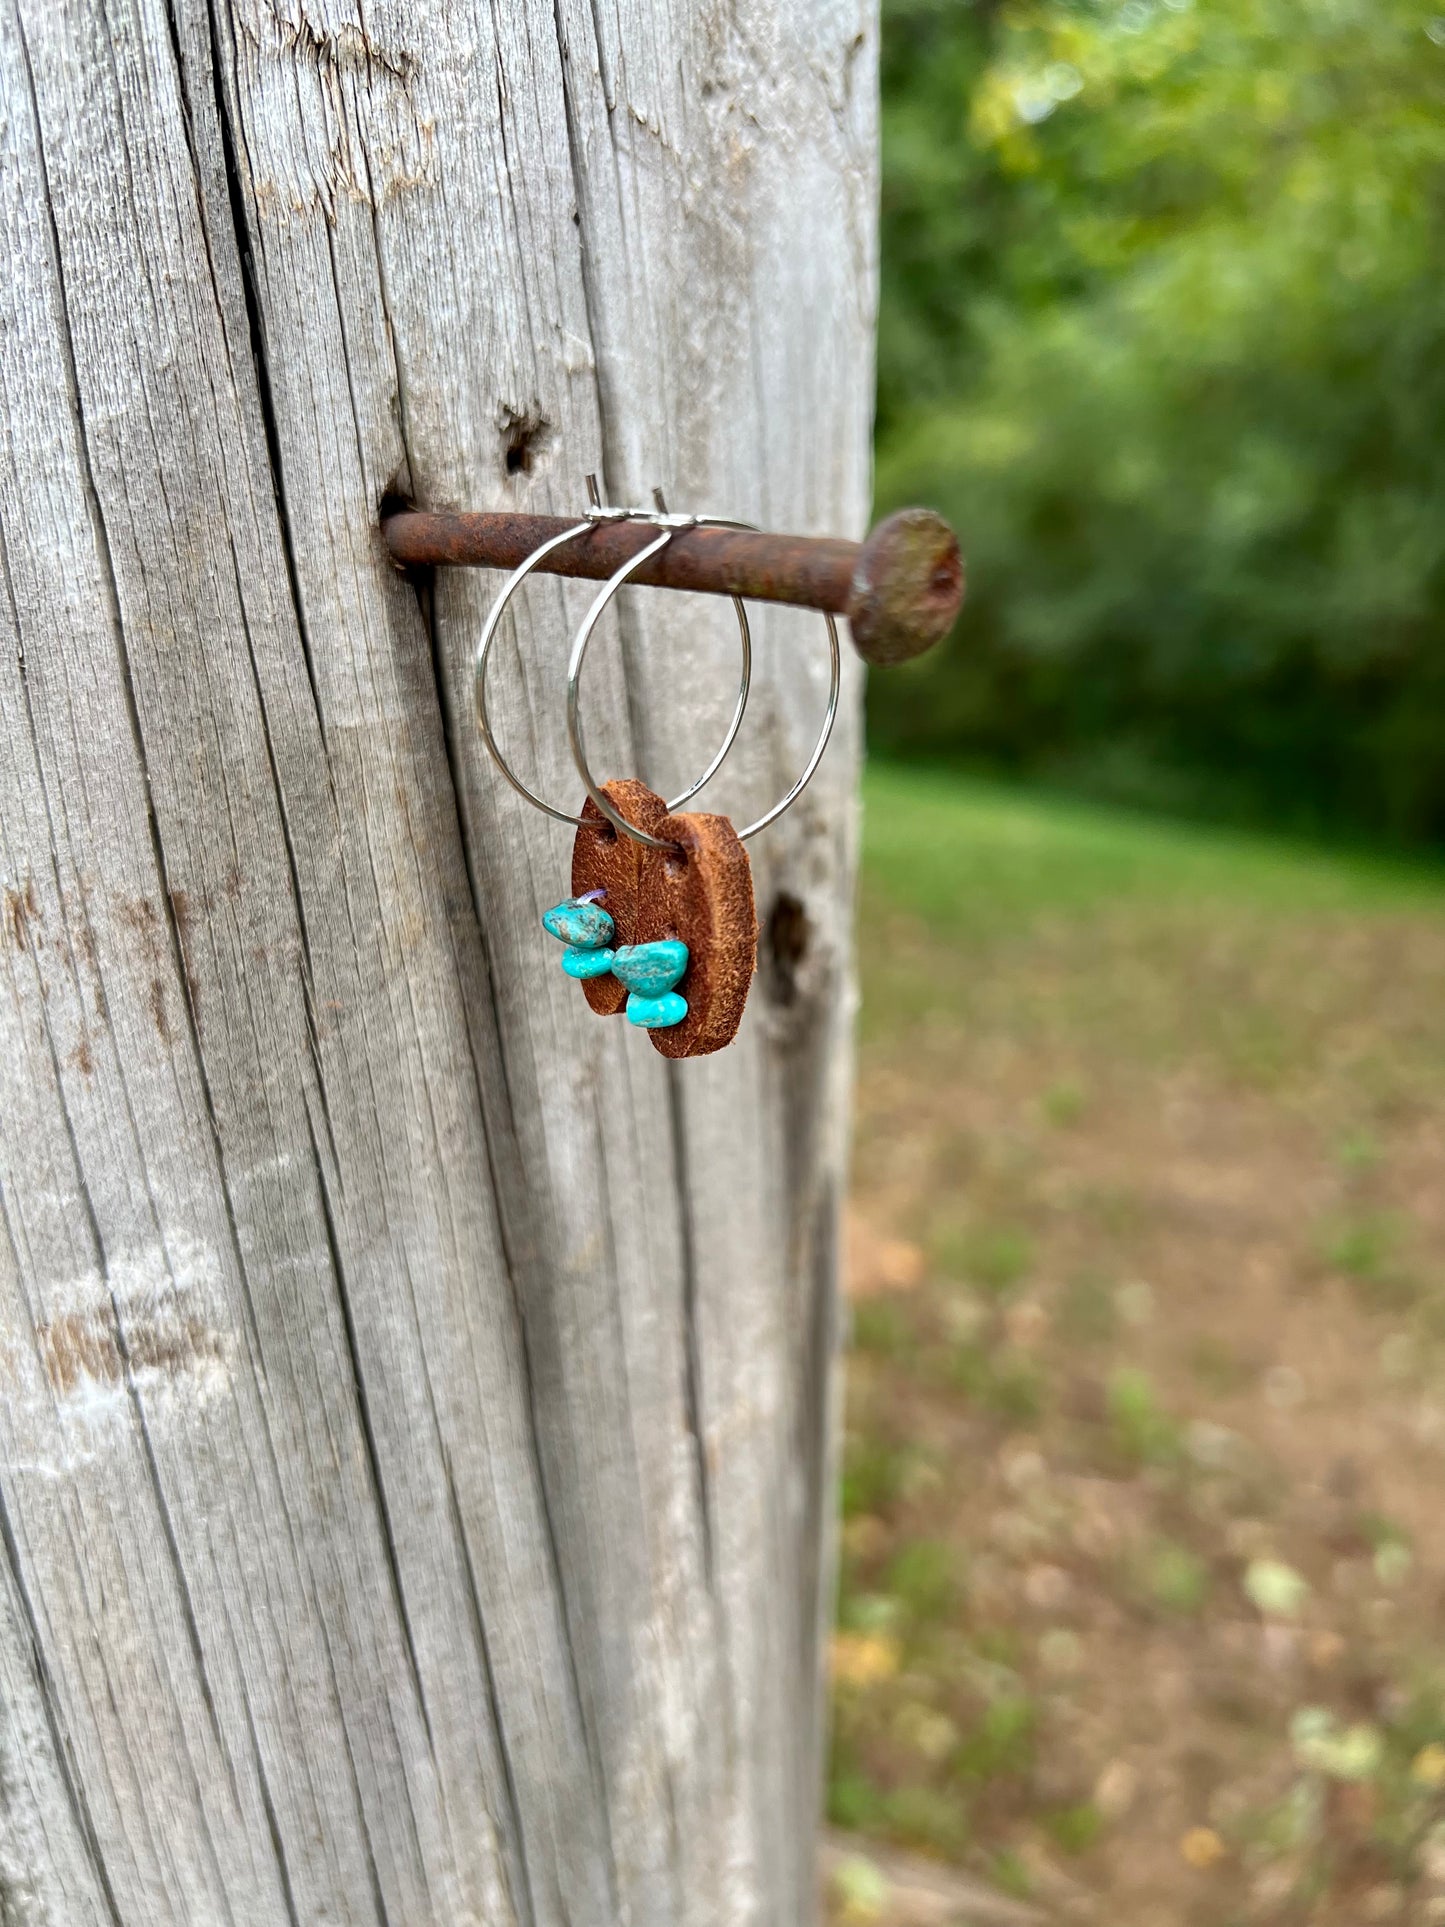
[(1163, 333)]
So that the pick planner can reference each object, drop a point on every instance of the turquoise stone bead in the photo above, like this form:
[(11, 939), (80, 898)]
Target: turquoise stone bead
[(587, 926), (650, 968), (587, 963), (656, 1013)]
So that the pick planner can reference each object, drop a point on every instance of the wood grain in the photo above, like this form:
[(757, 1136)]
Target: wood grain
[(413, 1455)]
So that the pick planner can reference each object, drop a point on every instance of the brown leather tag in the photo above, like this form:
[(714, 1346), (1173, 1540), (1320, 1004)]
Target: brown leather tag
[(703, 893), (605, 859)]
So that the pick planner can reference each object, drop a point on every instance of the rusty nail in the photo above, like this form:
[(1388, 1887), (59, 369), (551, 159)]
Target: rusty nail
[(900, 589)]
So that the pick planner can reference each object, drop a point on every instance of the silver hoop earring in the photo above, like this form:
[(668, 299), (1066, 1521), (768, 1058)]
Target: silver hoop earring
[(498, 610), (662, 921), (580, 646)]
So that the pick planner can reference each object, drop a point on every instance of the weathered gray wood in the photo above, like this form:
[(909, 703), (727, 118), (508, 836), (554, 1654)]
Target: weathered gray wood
[(413, 1449)]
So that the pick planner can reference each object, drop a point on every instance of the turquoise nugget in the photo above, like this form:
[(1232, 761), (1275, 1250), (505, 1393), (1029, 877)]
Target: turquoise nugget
[(585, 925), (650, 968), (587, 963), (656, 1013)]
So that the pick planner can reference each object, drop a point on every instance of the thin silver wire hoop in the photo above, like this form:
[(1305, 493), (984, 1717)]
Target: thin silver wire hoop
[(835, 684), (574, 721), (493, 622)]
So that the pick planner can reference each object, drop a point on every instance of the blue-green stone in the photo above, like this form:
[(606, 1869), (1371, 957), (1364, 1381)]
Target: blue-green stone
[(587, 926), (656, 1013), (587, 963), (650, 968)]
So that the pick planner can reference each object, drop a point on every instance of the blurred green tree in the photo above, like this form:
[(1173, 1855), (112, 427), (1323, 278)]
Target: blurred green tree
[(1163, 332)]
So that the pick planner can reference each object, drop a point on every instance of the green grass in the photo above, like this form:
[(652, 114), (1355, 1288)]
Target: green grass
[(993, 1257), (1155, 1105), (1117, 936), (972, 858)]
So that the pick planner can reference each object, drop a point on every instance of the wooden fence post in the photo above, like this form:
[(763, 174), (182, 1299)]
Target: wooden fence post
[(414, 1441)]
